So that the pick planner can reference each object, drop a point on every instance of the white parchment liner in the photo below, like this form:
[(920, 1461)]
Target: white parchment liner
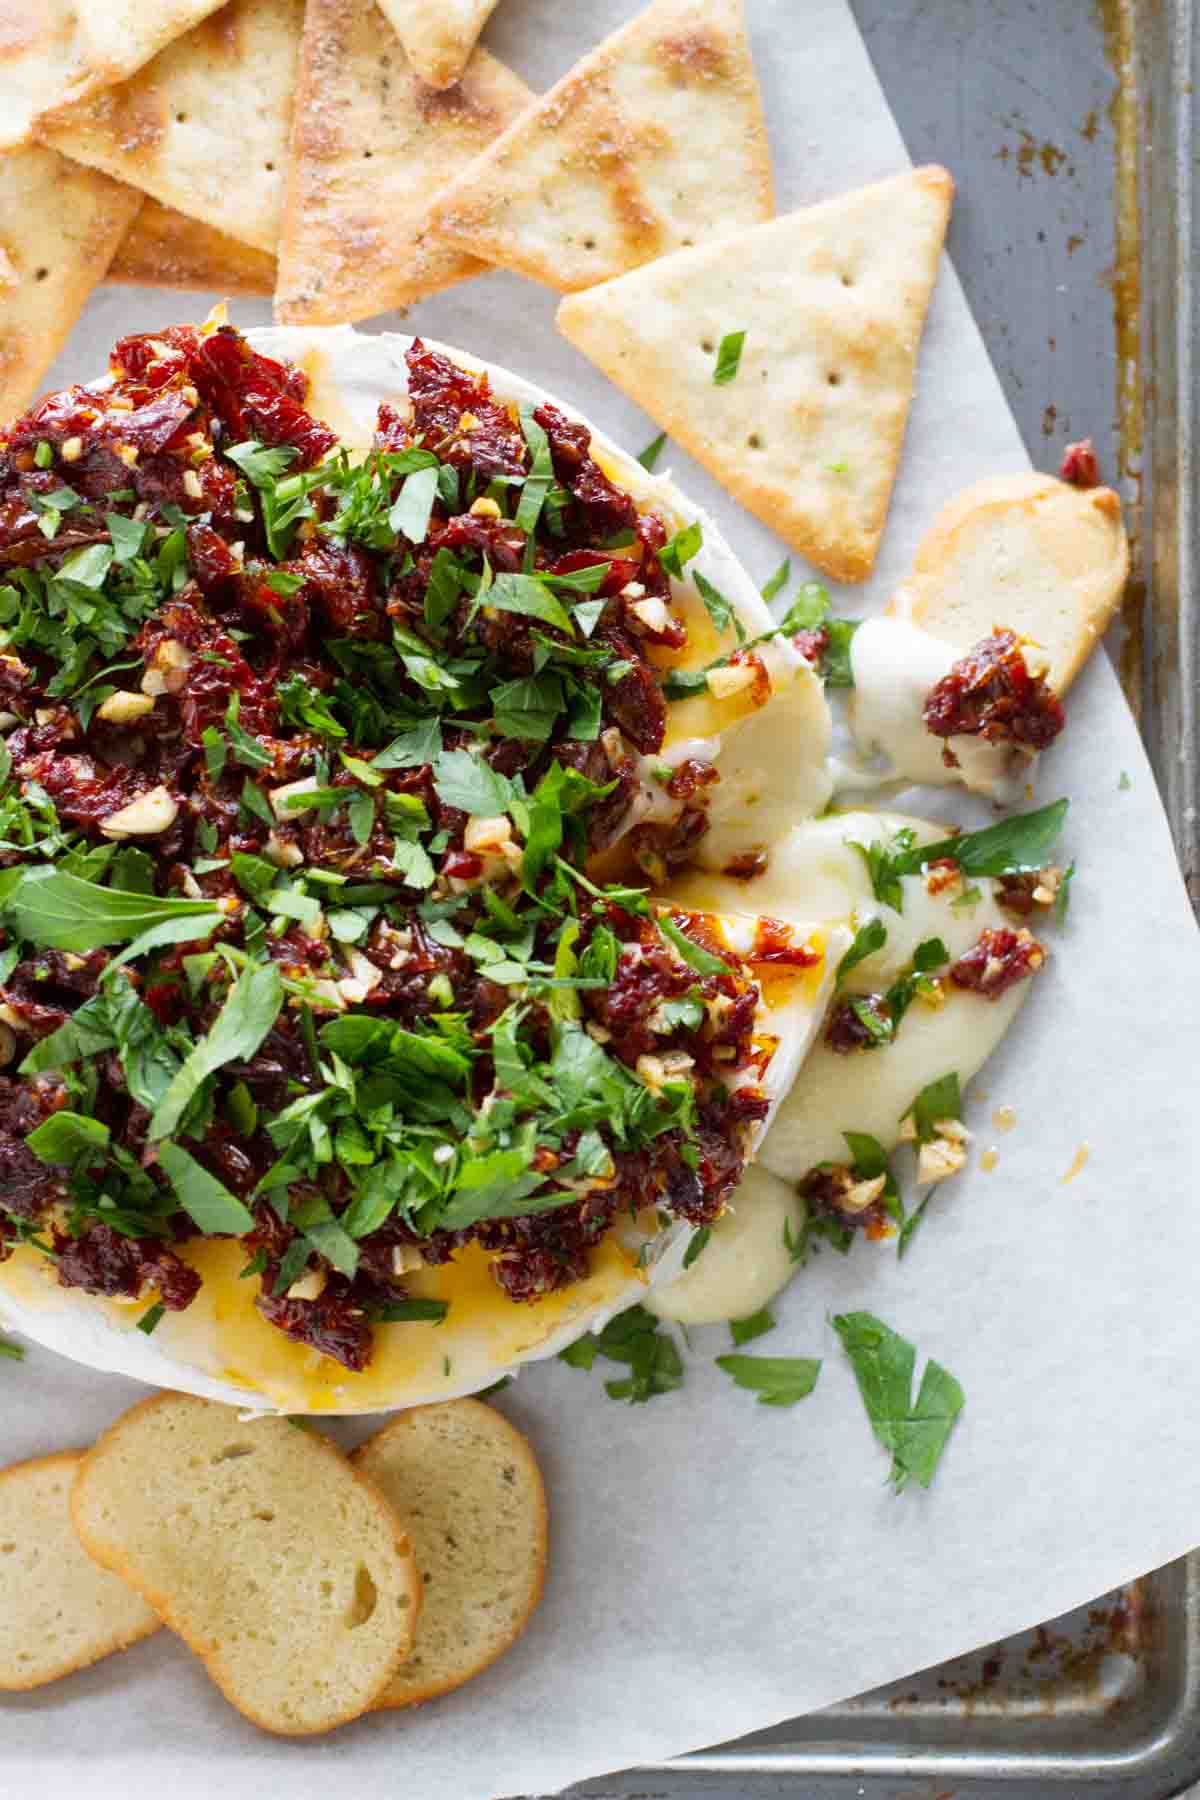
[(718, 1566)]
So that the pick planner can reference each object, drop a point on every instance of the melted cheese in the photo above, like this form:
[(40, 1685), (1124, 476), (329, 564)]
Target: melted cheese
[(869, 1090), (813, 871), (895, 665), (221, 1346), (745, 1261), (774, 771)]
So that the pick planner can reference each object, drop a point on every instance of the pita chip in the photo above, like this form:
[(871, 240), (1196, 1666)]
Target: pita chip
[(163, 248), (59, 226), (371, 143), (203, 128), (438, 35), (805, 425), (53, 52), (651, 143)]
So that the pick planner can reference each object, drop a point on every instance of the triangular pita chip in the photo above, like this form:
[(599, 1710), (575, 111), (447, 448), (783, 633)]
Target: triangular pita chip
[(370, 144), (654, 141), (59, 226), (832, 301), (204, 127), (163, 248), (53, 52), (438, 35)]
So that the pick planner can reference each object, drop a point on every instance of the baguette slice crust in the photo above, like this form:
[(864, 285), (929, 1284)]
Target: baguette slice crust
[(468, 1487), (164, 248), (831, 302), (60, 1612), (1028, 551), (283, 1568)]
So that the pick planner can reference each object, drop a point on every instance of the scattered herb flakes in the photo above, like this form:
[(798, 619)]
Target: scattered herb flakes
[(681, 548), (12, 1352), (697, 1244), (250, 1009), (634, 1338), (1125, 782), (744, 1331), (778, 581), (867, 939), (884, 1364), (1062, 898), (777, 1380), (396, 1312), (650, 455), (207, 1201), (941, 1099), (150, 1318), (729, 356)]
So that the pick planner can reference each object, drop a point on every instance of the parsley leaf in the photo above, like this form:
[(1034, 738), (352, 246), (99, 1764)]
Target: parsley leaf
[(744, 1331), (540, 478), (411, 511), (471, 784), (867, 939), (681, 548), (207, 1201), (777, 1380), (836, 666), (1016, 846), (729, 356), (942, 1099), (696, 957), (70, 1138), (884, 1363), (1063, 897), (778, 581), (650, 455), (633, 1338), (697, 1244), (886, 863), (414, 748), (250, 1010), (63, 912), (718, 607)]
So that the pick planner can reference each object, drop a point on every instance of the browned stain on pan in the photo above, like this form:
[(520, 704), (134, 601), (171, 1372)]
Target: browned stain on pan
[(1124, 280)]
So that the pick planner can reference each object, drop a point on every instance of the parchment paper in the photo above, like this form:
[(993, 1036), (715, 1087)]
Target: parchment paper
[(718, 1566)]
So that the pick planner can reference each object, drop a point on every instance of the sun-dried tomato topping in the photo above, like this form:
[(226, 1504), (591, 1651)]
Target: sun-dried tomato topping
[(104, 1261), (812, 644), (1079, 465), (997, 961), (845, 1029), (776, 942), (829, 1192), (333, 1324), (990, 693), (294, 649)]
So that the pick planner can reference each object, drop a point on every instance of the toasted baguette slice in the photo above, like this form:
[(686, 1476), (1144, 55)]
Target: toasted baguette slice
[(59, 1611), (1028, 551), (467, 1486), (277, 1563)]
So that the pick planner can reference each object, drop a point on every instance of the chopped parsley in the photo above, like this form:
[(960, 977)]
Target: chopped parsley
[(650, 455), (729, 357), (636, 1339), (914, 1433), (777, 1380)]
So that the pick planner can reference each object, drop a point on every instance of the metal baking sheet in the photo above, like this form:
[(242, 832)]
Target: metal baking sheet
[(1070, 127)]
